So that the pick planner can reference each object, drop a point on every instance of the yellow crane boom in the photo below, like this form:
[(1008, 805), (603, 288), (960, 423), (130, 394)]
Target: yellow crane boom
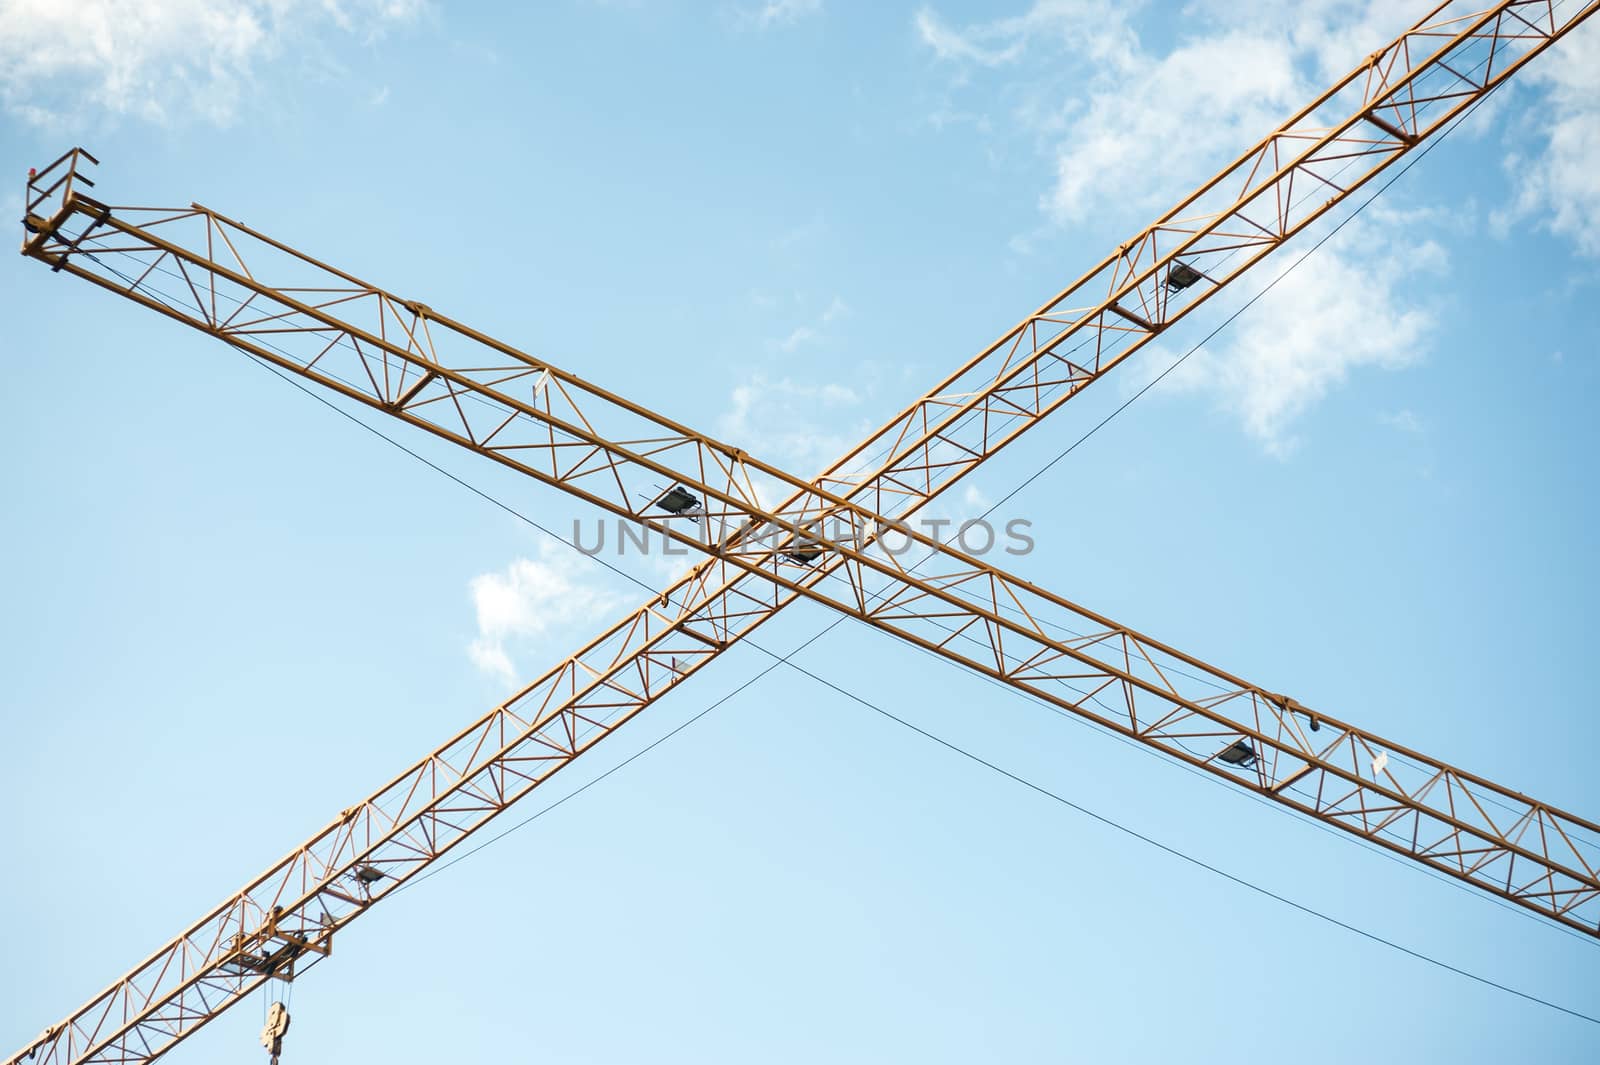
[(823, 542)]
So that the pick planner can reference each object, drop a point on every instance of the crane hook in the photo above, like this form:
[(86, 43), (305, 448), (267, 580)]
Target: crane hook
[(273, 1031)]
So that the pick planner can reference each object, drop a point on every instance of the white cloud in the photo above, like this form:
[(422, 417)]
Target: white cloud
[(805, 334), (1559, 187), (956, 507), (534, 608), (797, 425), (1334, 35), (802, 234), (159, 61), (1094, 28), (1144, 141), (983, 46), (1339, 311), (1130, 127), (1405, 420), (779, 13), (800, 335), (518, 606)]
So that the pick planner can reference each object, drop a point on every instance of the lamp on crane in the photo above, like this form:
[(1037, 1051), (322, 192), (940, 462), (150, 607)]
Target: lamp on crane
[(679, 500), (803, 556), (1239, 753), (1181, 275)]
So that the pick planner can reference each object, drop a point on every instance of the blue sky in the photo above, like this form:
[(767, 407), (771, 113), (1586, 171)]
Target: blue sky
[(231, 612)]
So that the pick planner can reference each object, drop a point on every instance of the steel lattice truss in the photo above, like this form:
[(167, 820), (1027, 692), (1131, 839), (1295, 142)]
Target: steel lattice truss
[(823, 541)]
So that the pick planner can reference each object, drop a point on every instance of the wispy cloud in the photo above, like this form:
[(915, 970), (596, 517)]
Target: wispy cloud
[(802, 234), (535, 609), (1146, 139), (1405, 420), (989, 48), (1344, 309), (1129, 126), (798, 425), (160, 61), (517, 607), (1134, 127), (777, 13), (814, 330), (1095, 28), (1558, 186)]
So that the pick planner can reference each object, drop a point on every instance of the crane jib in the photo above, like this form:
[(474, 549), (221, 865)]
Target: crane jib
[(397, 356)]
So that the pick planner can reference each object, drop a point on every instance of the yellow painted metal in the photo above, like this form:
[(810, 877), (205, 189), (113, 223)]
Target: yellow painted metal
[(398, 356)]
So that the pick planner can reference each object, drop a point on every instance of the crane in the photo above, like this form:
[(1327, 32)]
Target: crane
[(823, 542)]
